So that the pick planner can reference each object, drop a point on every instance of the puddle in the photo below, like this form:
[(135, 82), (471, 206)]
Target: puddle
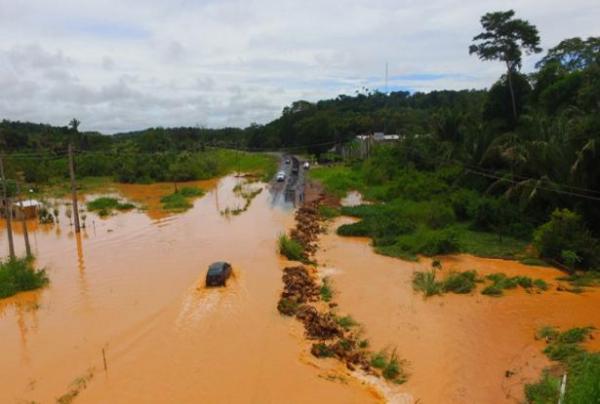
[(132, 285)]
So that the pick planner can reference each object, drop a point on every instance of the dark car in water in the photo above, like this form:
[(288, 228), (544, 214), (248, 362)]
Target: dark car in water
[(217, 274)]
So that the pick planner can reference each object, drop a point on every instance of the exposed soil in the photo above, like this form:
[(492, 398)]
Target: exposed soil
[(301, 295)]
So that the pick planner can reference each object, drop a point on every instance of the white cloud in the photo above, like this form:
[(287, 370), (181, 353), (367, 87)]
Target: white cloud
[(120, 65)]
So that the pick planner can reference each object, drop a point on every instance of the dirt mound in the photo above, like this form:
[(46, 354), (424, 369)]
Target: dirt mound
[(299, 286)]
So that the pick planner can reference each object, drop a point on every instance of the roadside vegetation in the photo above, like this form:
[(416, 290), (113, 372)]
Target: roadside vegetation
[(180, 200), (291, 249), (19, 275), (569, 356), (105, 206)]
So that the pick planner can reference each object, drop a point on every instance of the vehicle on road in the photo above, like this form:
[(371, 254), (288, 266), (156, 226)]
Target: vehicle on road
[(306, 165), (218, 273), (280, 176), (287, 161)]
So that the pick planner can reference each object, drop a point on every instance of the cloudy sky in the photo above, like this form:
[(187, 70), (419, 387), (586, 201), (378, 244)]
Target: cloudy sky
[(119, 65)]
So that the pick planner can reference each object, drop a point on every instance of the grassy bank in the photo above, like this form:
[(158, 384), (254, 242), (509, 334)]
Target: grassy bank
[(582, 368), (444, 211), (19, 275)]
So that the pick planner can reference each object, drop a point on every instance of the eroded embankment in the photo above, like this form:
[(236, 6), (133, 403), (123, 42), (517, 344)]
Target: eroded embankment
[(331, 334)]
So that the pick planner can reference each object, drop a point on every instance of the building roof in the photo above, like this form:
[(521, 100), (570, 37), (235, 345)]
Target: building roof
[(28, 203)]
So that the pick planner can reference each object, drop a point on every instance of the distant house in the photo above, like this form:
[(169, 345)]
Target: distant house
[(28, 207)]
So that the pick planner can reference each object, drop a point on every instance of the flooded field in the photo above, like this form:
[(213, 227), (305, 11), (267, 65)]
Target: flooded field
[(126, 317), (132, 286), (458, 347)]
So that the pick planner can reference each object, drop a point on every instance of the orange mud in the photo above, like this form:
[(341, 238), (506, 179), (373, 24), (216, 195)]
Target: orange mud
[(458, 347), (132, 284)]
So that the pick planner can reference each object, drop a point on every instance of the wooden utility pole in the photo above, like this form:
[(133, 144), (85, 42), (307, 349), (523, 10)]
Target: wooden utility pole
[(7, 211), (73, 189), (24, 222)]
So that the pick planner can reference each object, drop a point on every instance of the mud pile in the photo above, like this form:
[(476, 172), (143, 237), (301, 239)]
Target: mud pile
[(299, 287), (308, 227)]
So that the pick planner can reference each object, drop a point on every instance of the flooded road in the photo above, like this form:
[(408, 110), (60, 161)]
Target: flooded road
[(458, 347), (131, 285)]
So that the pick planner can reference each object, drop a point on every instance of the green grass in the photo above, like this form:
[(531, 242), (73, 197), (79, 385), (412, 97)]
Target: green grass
[(346, 322), (337, 180), (19, 275), (501, 282), (390, 366), (545, 391), (426, 283), (583, 279), (582, 368), (328, 212), (326, 291), (379, 360), (105, 205), (179, 201), (460, 282), (291, 249), (263, 165)]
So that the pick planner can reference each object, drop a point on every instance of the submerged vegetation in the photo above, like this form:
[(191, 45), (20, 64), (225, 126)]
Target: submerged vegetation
[(179, 200), (466, 282), (19, 275), (105, 205)]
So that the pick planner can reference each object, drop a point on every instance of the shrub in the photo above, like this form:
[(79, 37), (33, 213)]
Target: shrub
[(18, 275), (544, 391), (346, 322), (460, 282), (321, 350), (105, 205), (566, 232), (358, 229), (426, 283), (178, 201), (325, 291), (379, 360), (291, 249)]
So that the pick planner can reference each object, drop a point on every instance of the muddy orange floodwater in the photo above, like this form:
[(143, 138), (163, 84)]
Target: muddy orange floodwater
[(132, 285), (458, 347), (129, 293)]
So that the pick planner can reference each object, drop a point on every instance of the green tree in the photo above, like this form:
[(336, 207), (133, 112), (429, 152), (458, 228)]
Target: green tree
[(505, 38)]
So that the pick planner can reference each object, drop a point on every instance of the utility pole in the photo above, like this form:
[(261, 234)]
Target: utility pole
[(73, 189), (24, 222), (7, 211)]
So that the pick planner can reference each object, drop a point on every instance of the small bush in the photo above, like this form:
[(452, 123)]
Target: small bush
[(290, 248), (566, 232), (492, 290), (460, 282), (321, 350), (346, 322), (178, 201), (540, 284), (426, 282), (105, 205), (325, 290), (379, 360), (18, 275)]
